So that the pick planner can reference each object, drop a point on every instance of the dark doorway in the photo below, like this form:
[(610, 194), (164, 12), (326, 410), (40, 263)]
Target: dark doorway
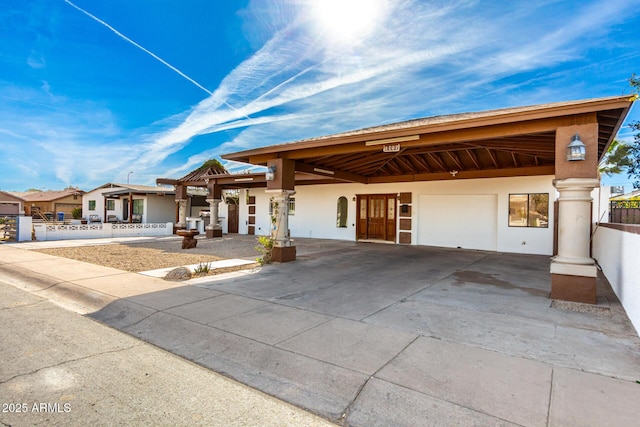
[(125, 209)]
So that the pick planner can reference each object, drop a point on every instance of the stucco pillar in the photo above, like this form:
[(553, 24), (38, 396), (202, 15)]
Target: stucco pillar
[(573, 271), (281, 187), (214, 229), (182, 213), (280, 217), (181, 201), (215, 197)]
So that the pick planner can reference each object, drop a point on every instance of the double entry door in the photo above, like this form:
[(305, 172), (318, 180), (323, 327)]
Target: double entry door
[(376, 217)]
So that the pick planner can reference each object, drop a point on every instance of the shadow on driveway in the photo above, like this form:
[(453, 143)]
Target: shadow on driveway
[(368, 334)]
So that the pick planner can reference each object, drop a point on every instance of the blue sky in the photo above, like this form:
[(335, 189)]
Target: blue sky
[(92, 90)]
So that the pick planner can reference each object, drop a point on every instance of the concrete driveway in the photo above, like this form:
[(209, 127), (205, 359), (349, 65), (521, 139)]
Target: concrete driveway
[(370, 334)]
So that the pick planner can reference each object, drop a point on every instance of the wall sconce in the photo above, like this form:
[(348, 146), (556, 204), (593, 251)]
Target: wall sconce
[(271, 173), (576, 150), (453, 173)]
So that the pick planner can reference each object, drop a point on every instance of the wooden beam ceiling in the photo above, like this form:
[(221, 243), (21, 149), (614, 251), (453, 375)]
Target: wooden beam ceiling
[(508, 142)]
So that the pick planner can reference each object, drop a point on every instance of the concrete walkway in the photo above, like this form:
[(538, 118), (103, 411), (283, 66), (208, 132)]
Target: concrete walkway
[(367, 334), (62, 369)]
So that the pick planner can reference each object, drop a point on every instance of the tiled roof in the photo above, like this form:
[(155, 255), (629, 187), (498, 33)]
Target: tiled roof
[(47, 196)]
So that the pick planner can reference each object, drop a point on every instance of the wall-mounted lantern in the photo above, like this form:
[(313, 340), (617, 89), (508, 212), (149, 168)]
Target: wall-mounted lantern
[(576, 150), (271, 173)]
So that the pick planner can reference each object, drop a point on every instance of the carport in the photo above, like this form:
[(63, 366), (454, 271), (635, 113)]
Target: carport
[(513, 142)]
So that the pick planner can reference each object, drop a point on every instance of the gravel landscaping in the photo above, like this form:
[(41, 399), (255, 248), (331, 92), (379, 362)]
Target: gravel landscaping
[(152, 255)]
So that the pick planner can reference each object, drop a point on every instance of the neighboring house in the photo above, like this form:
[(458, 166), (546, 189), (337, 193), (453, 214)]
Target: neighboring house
[(126, 203), (11, 204), (51, 202), (634, 195)]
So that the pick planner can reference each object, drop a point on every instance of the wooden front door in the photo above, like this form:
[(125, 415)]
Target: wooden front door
[(233, 215), (376, 217)]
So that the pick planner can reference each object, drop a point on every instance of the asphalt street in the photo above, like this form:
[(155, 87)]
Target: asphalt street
[(363, 335), (61, 368)]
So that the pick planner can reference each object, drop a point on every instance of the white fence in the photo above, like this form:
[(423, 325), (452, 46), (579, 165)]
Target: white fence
[(100, 230), (616, 249)]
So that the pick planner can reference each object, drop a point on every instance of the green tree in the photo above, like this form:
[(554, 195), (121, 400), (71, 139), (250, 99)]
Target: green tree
[(214, 166), (617, 160), (621, 157), (633, 171)]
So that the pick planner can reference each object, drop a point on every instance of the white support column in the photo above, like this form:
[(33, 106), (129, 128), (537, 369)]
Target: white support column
[(573, 270), (182, 213), (280, 217), (214, 229)]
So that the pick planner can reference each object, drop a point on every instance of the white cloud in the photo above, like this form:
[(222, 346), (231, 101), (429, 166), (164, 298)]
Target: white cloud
[(294, 66), (425, 58)]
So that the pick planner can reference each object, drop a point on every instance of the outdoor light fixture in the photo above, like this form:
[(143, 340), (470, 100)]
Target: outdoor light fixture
[(391, 140), (323, 171), (271, 173), (576, 150)]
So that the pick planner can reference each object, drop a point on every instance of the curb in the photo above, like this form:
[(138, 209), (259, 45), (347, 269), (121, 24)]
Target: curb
[(67, 294)]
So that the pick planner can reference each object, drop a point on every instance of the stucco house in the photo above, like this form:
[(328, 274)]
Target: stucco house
[(510, 180), (11, 204), (52, 201), (113, 202)]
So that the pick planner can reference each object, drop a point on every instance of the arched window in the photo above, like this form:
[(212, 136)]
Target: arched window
[(341, 221)]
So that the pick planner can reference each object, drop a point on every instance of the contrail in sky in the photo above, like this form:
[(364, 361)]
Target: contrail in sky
[(118, 33), (127, 39)]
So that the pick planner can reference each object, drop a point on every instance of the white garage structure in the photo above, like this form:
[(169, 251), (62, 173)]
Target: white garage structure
[(460, 221)]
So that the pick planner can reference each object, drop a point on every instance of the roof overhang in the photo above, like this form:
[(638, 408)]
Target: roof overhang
[(506, 142), (127, 191)]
